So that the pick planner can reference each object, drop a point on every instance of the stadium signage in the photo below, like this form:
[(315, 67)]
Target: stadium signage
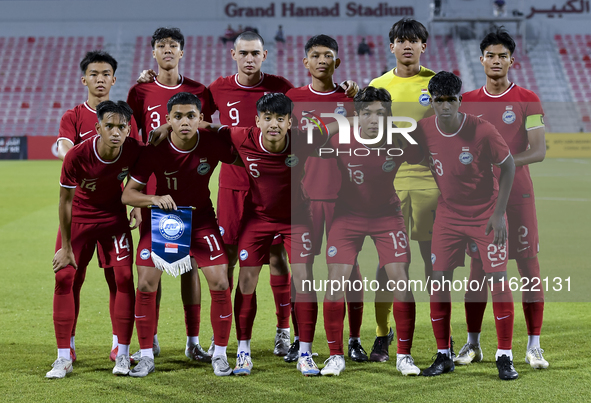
[(289, 10), (13, 148)]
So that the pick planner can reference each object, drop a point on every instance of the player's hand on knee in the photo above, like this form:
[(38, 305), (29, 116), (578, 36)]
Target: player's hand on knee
[(164, 202), (147, 76), (63, 258)]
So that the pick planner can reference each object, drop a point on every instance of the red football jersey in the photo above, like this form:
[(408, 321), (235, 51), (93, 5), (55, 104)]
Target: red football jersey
[(322, 179), (184, 175), (461, 165), (274, 178), (237, 106), (149, 100), (78, 124), (367, 185), (508, 112), (98, 183)]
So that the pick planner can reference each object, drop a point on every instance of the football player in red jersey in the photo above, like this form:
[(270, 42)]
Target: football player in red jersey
[(94, 170), (148, 101), (517, 114), (462, 149), (235, 98), (78, 124), (182, 165), (322, 179), (367, 205), (275, 159)]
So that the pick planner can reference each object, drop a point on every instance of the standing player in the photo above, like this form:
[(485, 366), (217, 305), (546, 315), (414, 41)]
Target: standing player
[(182, 165), (78, 124), (408, 84), (471, 207), (94, 170), (368, 206), (323, 179), (518, 116), (148, 101), (276, 205)]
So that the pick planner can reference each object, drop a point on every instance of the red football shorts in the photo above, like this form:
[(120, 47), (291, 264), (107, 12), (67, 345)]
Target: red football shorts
[(257, 236), (207, 246), (522, 227), (114, 240), (322, 212), (449, 243), (347, 233)]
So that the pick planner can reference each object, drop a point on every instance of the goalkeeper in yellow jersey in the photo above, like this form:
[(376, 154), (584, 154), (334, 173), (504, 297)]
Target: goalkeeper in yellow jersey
[(407, 84)]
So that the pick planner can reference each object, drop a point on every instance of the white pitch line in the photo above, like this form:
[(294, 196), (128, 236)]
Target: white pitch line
[(562, 199)]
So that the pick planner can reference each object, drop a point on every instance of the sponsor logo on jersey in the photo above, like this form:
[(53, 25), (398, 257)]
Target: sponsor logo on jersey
[(171, 227), (203, 168), (433, 258), (145, 254), (243, 254), (292, 160), (332, 251), (466, 158), (509, 117), (424, 99), (222, 231), (388, 166), (473, 247)]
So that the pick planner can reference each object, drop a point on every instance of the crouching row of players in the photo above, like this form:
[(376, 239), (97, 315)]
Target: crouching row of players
[(471, 207)]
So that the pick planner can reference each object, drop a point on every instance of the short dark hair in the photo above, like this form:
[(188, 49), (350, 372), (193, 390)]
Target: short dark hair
[(97, 56), (121, 108), (274, 102), (249, 36), (408, 28), (321, 40), (498, 37), (183, 98), (368, 95), (173, 33), (445, 83)]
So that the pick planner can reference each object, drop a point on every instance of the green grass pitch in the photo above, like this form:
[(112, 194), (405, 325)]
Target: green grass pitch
[(28, 224)]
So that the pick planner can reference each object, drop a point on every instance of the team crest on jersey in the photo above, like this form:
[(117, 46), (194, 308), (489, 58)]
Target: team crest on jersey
[(332, 251), (509, 117), (388, 166), (424, 99), (473, 247), (203, 168), (243, 255), (292, 160), (466, 158), (222, 231), (433, 258), (145, 254), (171, 227), (340, 109), (123, 174)]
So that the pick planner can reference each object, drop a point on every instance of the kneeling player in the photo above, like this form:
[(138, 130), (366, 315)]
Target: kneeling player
[(183, 165), (367, 205), (462, 149), (94, 171)]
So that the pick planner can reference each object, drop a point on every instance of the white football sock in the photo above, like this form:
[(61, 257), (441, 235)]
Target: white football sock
[(147, 352), (533, 341), (192, 340), (474, 338), (155, 339), (219, 350), (508, 353), (122, 349), (244, 345), (351, 339), (115, 342), (445, 351), (72, 343), (63, 353), (305, 348)]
